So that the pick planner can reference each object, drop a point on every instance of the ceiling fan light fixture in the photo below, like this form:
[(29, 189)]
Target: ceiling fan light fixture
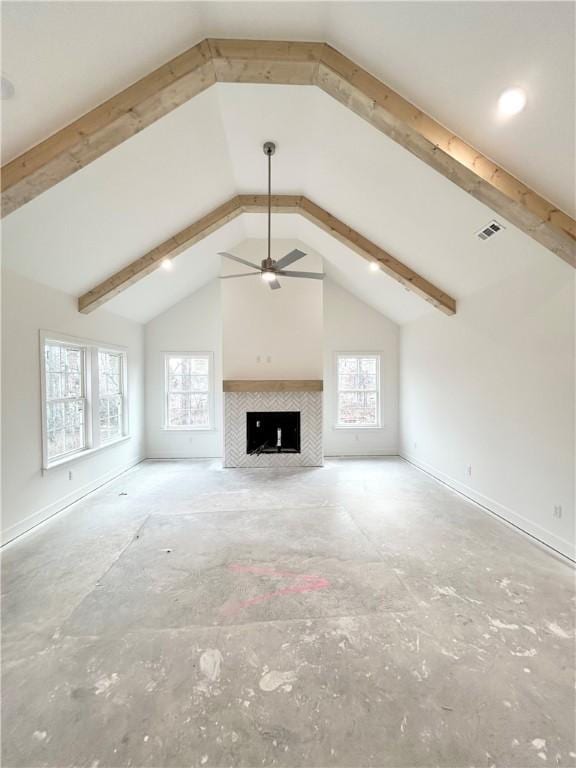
[(268, 276)]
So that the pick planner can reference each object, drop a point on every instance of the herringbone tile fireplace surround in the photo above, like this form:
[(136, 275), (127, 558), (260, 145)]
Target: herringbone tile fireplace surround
[(238, 404)]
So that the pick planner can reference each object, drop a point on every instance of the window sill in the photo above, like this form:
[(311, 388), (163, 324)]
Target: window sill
[(188, 429), (83, 454)]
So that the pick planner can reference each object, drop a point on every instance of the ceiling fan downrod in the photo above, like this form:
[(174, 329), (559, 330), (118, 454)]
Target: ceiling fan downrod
[(269, 149), (270, 270)]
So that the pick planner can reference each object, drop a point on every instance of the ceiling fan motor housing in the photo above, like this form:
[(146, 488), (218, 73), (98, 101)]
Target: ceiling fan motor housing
[(269, 148)]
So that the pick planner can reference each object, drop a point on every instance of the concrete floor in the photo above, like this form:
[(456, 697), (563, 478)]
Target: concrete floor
[(356, 615)]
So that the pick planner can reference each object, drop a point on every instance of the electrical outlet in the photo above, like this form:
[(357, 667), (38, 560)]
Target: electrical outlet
[(415, 445), (469, 470), (70, 475), (558, 511)]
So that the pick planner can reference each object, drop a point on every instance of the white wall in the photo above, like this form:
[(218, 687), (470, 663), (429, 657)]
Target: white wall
[(345, 324), (352, 326), (193, 325), (29, 494), (272, 334), (493, 388)]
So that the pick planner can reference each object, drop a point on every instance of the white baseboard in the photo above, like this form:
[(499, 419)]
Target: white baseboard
[(36, 518), (174, 456), (178, 457), (503, 513), (362, 455)]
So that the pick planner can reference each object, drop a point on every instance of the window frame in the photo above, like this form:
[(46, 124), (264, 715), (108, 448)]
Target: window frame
[(186, 428), (84, 396), (122, 353), (379, 420), (93, 442)]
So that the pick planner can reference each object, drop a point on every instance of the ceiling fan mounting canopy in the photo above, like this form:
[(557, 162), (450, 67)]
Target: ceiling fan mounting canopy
[(270, 270)]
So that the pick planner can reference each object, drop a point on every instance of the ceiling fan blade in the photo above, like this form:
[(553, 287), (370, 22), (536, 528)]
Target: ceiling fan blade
[(274, 285), (290, 258), (238, 259), (240, 274), (313, 275)]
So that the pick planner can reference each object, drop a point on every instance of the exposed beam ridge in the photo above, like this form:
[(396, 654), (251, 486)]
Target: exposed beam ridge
[(265, 61), (280, 203), (286, 63), (220, 216)]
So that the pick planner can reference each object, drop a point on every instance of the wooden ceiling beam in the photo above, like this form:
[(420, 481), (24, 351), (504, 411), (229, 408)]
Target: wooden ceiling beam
[(286, 63), (446, 153), (265, 61), (411, 280), (106, 126), (148, 263), (220, 216), (280, 203), (355, 241)]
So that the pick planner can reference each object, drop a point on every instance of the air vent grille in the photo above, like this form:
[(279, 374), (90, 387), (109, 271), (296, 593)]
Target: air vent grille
[(488, 231)]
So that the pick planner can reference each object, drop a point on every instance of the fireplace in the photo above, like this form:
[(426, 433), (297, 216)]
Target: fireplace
[(272, 432), (254, 411)]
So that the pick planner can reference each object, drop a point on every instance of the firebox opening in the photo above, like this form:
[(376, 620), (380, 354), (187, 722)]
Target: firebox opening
[(273, 432)]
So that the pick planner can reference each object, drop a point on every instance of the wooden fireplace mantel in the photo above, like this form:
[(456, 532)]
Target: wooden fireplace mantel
[(272, 385)]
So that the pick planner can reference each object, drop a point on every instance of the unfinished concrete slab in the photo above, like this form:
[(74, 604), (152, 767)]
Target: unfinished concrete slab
[(359, 614)]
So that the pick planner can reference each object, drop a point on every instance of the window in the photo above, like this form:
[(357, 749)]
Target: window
[(358, 401), (188, 390), (111, 395), (65, 368), (83, 397)]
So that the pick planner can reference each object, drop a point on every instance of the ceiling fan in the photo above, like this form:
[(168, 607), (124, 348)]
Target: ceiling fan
[(270, 270)]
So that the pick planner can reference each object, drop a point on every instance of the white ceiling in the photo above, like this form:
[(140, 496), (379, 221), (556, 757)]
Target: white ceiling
[(131, 199), (190, 271), (451, 59)]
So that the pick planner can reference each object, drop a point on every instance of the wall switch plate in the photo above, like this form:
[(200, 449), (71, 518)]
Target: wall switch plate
[(558, 511), (469, 470), (70, 475)]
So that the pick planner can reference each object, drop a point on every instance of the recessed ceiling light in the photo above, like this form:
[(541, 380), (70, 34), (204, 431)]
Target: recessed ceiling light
[(511, 102), (167, 264), (374, 266), (6, 89)]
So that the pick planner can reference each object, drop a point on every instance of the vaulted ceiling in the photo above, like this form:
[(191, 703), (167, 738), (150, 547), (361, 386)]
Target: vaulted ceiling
[(142, 192)]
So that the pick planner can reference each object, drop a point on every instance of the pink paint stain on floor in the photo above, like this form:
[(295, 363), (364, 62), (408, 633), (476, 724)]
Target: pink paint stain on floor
[(302, 582)]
